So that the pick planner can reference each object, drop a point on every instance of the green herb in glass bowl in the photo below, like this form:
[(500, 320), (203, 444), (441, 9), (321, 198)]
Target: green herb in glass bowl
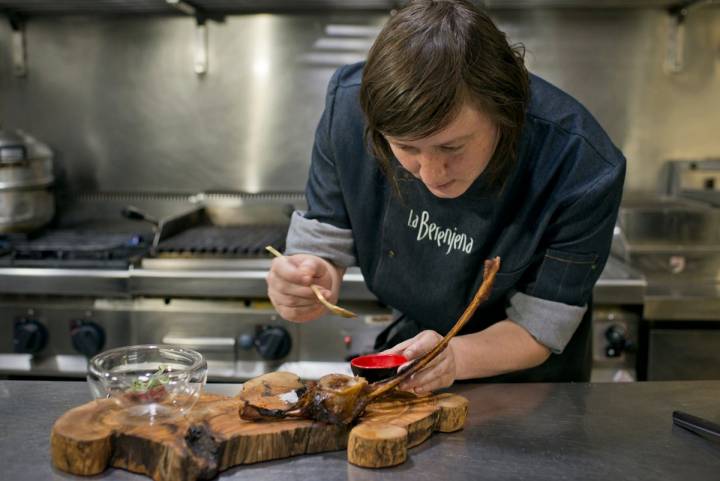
[(150, 390)]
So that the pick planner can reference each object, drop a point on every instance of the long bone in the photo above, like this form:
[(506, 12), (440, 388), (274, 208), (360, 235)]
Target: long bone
[(491, 268), (341, 399)]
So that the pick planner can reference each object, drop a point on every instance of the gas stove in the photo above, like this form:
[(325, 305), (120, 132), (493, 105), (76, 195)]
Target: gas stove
[(74, 249), (226, 242), (185, 270), (201, 232)]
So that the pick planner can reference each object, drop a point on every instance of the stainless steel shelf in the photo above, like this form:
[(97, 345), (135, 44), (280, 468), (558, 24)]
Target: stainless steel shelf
[(122, 7), (119, 7)]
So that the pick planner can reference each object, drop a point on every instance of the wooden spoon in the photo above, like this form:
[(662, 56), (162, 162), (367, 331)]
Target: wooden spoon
[(340, 311)]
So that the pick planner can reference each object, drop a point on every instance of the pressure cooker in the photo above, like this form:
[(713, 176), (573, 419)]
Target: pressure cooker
[(26, 183)]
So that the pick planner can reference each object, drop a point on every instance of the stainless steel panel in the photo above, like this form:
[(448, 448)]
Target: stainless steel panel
[(686, 354), (153, 320), (245, 279), (137, 118), (223, 330), (82, 282), (57, 316), (693, 177), (118, 101), (673, 241), (226, 282), (619, 284), (651, 224), (679, 267), (613, 63), (333, 338), (228, 210), (203, 283), (614, 361), (239, 6), (682, 304), (34, 7), (594, 4)]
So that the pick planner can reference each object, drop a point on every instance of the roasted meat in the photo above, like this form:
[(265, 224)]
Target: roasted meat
[(337, 398)]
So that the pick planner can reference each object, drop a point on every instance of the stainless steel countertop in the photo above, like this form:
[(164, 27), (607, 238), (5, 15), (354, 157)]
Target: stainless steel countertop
[(618, 284), (514, 432)]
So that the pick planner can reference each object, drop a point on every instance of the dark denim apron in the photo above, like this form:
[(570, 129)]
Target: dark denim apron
[(429, 281)]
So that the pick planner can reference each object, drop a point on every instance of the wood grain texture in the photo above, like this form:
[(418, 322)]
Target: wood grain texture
[(377, 445), (212, 438)]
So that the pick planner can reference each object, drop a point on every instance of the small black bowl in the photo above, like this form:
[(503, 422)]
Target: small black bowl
[(376, 367)]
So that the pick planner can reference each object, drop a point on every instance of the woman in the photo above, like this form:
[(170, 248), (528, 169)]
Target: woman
[(438, 153)]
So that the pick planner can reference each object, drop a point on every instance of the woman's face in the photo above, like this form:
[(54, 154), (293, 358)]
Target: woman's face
[(450, 160)]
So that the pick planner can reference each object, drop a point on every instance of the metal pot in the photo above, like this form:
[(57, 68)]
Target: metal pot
[(26, 179)]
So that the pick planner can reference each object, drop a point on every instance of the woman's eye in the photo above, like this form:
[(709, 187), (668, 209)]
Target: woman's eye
[(451, 148), (408, 149)]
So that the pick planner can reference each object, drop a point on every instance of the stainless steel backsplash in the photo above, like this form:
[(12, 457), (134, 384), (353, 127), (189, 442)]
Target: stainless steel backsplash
[(119, 103)]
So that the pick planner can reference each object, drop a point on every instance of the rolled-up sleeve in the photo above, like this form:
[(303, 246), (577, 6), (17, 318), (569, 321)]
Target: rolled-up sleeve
[(552, 296), (324, 229), (308, 236)]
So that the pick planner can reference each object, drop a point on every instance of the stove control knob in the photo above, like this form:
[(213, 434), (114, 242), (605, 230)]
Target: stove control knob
[(29, 337), (617, 340), (273, 343), (246, 341), (87, 337)]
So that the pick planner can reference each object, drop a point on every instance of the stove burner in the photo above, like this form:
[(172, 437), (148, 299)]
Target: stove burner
[(224, 241), (65, 248)]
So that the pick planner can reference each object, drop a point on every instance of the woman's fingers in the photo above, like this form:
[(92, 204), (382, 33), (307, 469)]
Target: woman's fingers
[(421, 344), (280, 285), (436, 375), (426, 381), (439, 373), (416, 346), (300, 270), (398, 348), (289, 282), (280, 299)]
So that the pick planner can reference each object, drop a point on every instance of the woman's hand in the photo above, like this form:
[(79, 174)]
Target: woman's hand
[(438, 374), (289, 282)]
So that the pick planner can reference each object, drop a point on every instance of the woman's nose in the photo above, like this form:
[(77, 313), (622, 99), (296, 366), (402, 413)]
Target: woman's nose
[(433, 170)]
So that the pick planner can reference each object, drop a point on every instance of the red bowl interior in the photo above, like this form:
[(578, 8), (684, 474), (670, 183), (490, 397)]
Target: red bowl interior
[(379, 361)]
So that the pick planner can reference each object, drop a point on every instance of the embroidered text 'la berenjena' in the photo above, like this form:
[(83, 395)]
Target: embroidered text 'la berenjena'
[(447, 237)]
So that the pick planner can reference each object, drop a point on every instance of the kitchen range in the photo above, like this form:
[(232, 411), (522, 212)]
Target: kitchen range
[(108, 274), (190, 271)]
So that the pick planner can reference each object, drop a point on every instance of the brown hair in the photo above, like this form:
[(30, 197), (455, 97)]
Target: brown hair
[(431, 57)]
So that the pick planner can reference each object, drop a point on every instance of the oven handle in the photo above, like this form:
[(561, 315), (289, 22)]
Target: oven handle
[(202, 343)]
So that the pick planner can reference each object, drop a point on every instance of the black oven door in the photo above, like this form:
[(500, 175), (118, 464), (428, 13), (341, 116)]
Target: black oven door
[(679, 350)]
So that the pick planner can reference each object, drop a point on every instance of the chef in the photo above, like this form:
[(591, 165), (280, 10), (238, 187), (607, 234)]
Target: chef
[(441, 151)]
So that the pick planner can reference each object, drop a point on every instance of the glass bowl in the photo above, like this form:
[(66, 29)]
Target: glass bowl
[(149, 382)]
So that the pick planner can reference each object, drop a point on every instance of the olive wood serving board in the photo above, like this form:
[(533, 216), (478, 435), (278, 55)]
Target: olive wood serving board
[(212, 438)]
